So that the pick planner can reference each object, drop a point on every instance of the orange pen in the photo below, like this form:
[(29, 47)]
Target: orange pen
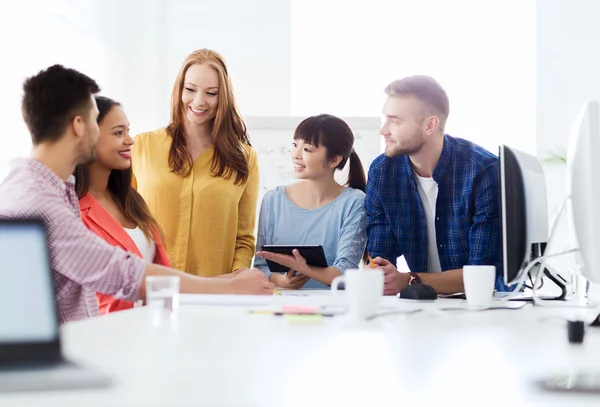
[(371, 264)]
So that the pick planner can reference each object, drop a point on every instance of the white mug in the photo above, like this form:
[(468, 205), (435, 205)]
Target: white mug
[(364, 289), (479, 282)]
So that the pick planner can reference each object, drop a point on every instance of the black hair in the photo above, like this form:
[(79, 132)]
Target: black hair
[(337, 137), (52, 98)]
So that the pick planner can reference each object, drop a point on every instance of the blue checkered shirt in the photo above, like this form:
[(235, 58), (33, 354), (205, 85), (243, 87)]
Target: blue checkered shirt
[(467, 210)]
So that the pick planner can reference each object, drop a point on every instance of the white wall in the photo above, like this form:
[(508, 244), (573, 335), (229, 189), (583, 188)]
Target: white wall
[(481, 52), (568, 75), (134, 49), (133, 54), (35, 34), (254, 37), (568, 58), (146, 42)]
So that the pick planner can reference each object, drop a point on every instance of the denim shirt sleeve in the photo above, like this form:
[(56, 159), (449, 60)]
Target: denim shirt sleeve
[(381, 239), (353, 239), (262, 236), (484, 234)]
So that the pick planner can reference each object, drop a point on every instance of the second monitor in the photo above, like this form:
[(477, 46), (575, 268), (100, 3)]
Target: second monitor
[(523, 215)]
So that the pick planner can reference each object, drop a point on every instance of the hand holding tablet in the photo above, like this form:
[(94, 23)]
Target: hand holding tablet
[(281, 258)]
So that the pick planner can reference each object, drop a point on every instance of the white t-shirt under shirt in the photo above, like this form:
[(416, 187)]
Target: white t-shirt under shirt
[(428, 191), (146, 247)]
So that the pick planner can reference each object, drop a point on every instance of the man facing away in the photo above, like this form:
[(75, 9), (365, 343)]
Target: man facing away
[(430, 197), (60, 112)]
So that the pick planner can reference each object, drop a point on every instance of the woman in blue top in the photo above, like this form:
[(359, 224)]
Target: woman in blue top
[(317, 210)]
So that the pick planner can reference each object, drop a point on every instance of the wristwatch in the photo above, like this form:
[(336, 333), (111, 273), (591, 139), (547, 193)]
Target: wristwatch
[(414, 279)]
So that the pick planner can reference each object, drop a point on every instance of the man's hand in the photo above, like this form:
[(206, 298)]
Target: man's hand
[(251, 281), (289, 280), (393, 281), (232, 274)]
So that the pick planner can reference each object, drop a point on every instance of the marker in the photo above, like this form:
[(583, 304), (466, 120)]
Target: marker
[(279, 314), (302, 315), (276, 292), (258, 311)]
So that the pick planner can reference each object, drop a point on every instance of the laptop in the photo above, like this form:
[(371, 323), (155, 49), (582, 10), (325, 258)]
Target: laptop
[(30, 348)]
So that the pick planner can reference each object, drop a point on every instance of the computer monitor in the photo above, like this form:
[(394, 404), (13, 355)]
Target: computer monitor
[(28, 316), (523, 211), (583, 189), (31, 357)]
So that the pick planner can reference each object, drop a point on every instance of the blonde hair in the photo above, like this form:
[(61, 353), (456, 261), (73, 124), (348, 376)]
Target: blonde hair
[(427, 90)]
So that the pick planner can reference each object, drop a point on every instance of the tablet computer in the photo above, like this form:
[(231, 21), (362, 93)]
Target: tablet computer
[(314, 255)]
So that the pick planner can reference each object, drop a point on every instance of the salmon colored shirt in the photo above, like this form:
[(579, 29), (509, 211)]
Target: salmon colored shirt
[(102, 223)]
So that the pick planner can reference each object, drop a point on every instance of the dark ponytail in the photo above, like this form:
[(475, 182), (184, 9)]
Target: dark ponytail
[(338, 139), (356, 174)]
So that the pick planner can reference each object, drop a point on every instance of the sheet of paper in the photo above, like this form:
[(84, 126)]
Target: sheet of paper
[(452, 304), (402, 265), (260, 300), (304, 319), (224, 299)]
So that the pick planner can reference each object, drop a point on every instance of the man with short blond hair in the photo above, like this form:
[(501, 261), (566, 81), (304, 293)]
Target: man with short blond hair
[(430, 197)]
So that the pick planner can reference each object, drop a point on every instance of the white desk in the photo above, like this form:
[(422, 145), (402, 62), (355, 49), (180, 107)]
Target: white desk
[(222, 356)]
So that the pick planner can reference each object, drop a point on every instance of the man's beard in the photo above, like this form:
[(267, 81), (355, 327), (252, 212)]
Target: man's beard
[(88, 156), (415, 145)]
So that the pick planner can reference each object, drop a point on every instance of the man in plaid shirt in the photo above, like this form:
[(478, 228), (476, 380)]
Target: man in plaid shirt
[(430, 197), (60, 112)]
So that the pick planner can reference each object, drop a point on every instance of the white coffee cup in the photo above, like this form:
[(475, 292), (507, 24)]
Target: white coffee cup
[(364, 289), (479, 282)]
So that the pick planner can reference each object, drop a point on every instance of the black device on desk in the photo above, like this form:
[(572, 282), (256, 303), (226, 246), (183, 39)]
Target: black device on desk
[(314, 255), (418, 292)]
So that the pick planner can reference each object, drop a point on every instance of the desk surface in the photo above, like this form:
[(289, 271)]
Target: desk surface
[(223, 356)]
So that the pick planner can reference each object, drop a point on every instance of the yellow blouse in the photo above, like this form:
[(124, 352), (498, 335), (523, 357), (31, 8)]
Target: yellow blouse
[(208, 221)]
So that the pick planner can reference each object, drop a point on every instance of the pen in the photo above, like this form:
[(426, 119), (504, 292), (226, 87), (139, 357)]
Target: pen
[(371, 264), (276, 292)]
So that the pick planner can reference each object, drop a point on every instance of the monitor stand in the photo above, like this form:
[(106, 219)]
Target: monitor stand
[(559, 281), (536, 252)]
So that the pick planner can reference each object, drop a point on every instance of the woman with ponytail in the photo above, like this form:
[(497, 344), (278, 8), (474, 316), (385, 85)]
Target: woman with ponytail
[(316, 210)]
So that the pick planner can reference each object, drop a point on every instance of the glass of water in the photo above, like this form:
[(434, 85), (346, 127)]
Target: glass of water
[(162, 294)]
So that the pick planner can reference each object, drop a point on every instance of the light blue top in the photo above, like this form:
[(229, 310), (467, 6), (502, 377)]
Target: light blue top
[(338, 226)]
